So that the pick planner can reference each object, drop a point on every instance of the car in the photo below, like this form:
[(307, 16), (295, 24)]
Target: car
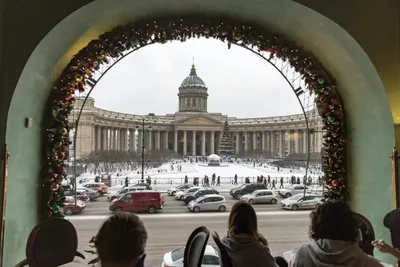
[(175, 257), (173, 190), (125, 190), (292, 190), (208, 203), (70, 208), (179, 195), (138, 201), (91, 194), (261, 196), (199, 193), (148, 187), (99, 187), (245, 189), (301, 201), (80, 194)]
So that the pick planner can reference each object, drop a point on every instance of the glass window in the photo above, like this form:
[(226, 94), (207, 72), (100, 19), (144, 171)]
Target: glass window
[(210, 260), (268, 193), (177, 254), (127, 197), (260, 194)]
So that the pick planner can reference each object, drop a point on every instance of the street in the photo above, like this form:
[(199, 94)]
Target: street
[(170, 228)]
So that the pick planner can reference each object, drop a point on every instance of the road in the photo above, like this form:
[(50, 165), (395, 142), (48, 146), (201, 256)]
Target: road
[(170, 228), (100, 206)]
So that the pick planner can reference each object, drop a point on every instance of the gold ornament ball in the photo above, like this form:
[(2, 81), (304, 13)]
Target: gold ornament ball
[(63, 131), (54, 186)]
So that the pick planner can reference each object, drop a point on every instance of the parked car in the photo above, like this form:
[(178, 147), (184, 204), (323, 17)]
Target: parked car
[(208, 203), (91, 194), (292, 190), (173, 190), (261, 196), (175, 257), (70, 208), (125, 190), (80, 194), (138, 201), (148, 187), (245, 189), (99, 187), (199, 193), (302, 202), (179, 195)]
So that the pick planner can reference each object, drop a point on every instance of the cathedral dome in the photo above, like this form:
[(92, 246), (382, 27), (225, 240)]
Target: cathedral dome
[(193, 79)]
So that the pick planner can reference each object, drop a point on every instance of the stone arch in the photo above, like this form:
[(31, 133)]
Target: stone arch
[(359, 86)]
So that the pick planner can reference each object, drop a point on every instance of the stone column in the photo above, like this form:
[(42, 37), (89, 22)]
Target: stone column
[(212, 142), (263, 146), (121, 139), (158, 140), (126, 143), (105, 138), (271, 143), (92, 138), (282, 144), (176, 141), (305, 141), (184, 143), (166, 140), (117, 139), (238, 141), (289, 142), (246, 141), (194, 143), (133, 139), (296, 137), (203, 143), (110, 143), (150, 141), (98, 138), (254, 140)]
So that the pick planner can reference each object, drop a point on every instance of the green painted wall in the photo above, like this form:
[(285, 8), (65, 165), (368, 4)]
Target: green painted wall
[(371, 135)]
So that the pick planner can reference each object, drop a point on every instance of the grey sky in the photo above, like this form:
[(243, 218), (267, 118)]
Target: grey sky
[(239, 83)]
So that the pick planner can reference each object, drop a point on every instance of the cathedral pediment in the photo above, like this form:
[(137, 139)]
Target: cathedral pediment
[(199, 119)]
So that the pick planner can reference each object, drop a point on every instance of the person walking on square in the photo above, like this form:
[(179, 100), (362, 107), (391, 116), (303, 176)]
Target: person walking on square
[(235, 183), (273, 184), (281, 181), (218, 181)]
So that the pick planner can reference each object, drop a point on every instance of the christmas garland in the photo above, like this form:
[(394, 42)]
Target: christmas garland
[(139, 34)]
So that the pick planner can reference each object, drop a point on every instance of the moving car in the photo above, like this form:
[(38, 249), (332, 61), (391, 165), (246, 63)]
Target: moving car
[(70, 207), (292, 190), (175, 257), (208, 203), (179, 195), (138, 201), (91, 194), (199, 193), (245, 189), (99, 187), (123, 191), (299, 201), (173, 190), (261, 196)]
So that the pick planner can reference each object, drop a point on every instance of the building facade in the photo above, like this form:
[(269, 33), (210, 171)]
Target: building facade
[(192, 131)]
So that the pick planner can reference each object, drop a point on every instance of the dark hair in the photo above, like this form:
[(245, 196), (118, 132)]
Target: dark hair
[(243, 220), (334, 220), (121, 239)]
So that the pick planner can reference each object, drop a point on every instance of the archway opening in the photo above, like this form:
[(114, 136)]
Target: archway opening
[(113, 45)]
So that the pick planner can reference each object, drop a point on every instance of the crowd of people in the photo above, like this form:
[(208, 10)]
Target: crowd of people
[(334, 240)]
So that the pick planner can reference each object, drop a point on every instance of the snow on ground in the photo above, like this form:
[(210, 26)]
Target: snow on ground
[(168, 173)]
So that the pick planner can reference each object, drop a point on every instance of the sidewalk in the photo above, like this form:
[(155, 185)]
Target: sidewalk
[(223, 188)]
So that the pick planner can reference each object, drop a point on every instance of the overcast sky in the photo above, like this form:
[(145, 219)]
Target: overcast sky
[(239, 83)]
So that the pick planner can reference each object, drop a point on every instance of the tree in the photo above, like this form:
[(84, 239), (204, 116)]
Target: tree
[(226, 143)]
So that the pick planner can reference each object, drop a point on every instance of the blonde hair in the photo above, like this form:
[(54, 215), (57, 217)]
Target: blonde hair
[(243, 220)]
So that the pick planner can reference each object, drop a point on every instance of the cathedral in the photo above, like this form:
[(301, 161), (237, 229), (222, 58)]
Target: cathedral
[(193, 131)]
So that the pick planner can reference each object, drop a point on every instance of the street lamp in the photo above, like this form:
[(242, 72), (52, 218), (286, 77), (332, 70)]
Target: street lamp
[(143, 122)]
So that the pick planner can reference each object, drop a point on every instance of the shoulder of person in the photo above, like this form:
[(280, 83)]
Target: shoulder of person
[(372, 262)]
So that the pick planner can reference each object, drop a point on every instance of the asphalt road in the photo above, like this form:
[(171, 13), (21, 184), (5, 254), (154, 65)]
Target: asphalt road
[(170, 228), (100, 206)]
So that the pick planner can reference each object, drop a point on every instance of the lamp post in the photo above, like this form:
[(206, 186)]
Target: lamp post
[(143, 122)]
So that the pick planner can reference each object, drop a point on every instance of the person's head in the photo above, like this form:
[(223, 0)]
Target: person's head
[(334, 220), (243, 220), (121, 240)]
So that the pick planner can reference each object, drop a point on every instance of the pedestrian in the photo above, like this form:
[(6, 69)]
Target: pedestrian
[(281, 186), (273, 184), (235, 183), (218, 181)]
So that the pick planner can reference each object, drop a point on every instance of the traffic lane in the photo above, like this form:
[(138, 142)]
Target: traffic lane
[(283, 231), (100, 206)]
